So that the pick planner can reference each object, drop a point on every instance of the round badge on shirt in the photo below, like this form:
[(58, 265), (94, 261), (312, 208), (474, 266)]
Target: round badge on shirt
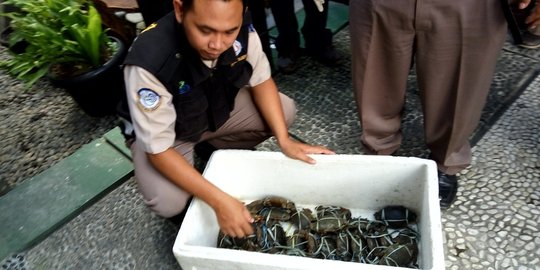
[(149, 100)]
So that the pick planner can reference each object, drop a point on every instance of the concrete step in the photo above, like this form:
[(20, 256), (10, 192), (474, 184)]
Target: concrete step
[(40, 205)]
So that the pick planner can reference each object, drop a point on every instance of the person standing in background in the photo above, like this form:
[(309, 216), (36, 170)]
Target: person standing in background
[(318, 38), (153, 10), (454, 44)]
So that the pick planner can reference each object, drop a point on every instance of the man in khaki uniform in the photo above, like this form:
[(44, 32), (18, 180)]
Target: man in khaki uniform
[(199, 75)]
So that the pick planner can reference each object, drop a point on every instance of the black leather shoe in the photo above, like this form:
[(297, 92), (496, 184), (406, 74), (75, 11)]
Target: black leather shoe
[(287, 65), (448, 186), (327, 56)]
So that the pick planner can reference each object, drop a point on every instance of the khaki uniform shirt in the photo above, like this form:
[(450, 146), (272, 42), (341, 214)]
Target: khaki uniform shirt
[(155, 127)]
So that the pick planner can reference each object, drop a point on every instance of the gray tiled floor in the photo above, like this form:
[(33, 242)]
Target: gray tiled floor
[(494, 224)]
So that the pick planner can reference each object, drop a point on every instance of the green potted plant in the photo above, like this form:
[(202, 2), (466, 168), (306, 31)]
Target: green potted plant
[(67, 43)]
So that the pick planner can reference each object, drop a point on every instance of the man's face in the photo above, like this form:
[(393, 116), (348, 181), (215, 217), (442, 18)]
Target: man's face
[(211, 26)]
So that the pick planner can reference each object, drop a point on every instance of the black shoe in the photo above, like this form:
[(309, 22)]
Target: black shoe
[(328, 56), (448, 186), (287, 65), (530, 41)]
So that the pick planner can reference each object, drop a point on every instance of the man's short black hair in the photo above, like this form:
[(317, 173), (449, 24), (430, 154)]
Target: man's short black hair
[(187, 4)]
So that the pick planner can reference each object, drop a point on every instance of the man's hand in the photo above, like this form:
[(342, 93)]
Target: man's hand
[(533, 20), (233, 217), (521, 3), (300, 151)]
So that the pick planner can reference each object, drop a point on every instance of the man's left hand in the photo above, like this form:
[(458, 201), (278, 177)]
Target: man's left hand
[(300, 151)]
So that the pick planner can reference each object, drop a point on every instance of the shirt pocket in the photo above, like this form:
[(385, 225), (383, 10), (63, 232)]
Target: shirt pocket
[(191, 109)]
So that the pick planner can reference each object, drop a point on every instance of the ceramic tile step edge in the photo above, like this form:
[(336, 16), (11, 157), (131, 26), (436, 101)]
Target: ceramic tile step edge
[(43, 203)]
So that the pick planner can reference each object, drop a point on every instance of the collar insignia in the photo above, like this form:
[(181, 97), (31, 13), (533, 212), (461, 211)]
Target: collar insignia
[(237, 46), (153, 25)]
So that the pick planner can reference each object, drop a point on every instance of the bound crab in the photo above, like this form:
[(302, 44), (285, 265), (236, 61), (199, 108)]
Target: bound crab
[(400, 255), (271, 238), (330, 219), (302, 243), (396, 216), (270, 201), (301, 219), (272, 208), (248, 243)]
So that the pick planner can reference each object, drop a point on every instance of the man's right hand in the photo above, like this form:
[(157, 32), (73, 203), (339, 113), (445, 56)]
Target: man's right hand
[(233, 217)]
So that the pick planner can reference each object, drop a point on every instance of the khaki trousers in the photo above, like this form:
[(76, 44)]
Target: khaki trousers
[(455, 45), (243, 130)]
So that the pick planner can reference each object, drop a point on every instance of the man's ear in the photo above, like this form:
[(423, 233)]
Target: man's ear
[(178, 10)]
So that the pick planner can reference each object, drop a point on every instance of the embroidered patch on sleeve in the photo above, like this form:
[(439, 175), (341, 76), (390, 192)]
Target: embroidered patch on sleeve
[(149, 100)]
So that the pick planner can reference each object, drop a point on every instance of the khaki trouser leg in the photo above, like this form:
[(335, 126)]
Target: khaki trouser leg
[(244, 130), (458, 44), (159, 194), (382, 38)]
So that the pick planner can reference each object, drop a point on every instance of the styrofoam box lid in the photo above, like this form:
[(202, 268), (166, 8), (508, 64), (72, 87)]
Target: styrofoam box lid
[(358, 182)]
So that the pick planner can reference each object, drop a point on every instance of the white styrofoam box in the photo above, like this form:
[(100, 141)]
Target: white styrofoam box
[(358, 182)]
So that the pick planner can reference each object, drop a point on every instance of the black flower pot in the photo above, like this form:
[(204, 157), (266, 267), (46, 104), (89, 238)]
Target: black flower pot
[(18, 47), (99, 91)]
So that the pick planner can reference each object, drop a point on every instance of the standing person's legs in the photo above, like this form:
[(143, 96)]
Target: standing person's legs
[(314, 29), (457, 49), (318, 38), (382, 37), (288, 40), (257, 9), (243, 130), (153, 10)]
